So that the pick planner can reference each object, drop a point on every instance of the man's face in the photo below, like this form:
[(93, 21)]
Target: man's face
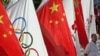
[(94, 38)]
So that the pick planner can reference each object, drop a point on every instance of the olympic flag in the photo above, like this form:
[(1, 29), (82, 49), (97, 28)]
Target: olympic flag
[(26, 25)]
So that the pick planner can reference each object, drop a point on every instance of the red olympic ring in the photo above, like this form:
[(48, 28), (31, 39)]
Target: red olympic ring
[(33, 50)]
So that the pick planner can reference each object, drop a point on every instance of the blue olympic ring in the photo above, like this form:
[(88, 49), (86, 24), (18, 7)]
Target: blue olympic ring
[(22, 22)]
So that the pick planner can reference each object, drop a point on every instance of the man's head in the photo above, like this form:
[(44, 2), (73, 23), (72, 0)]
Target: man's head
[(94, 37)]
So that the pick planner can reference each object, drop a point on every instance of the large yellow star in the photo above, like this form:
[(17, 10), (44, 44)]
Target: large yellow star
[(1, 22), (76, 3), (54, 7)]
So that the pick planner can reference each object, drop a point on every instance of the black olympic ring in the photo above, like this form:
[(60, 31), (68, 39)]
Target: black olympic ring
[(23, 45)]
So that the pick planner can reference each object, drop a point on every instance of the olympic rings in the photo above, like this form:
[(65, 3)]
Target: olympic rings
[(28, 50), (28, 53), (21, 38), (27, 46), (19, 19)]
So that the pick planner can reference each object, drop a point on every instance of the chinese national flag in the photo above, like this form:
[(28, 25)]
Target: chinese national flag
[(9, 45), (56, 33), (1, 1), (80, 23)]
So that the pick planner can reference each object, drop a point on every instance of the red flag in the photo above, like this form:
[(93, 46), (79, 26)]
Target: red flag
[(56, 33), (80, 23), (1, 1), (74, 27), (9, 45)]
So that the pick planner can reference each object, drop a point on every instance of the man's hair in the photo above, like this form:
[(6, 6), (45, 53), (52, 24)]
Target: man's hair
[(93, 35)]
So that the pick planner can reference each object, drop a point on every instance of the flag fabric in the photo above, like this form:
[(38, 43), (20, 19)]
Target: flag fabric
[(9, 44), (89, 17), (74, 27), (1, 1), (80, 23), (69, 11), (54, 26), (91, 22), (11, 3), (25, 22), (86, 8)]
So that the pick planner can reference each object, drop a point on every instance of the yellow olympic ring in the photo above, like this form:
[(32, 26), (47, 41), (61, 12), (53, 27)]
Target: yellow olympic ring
[(22, 35)]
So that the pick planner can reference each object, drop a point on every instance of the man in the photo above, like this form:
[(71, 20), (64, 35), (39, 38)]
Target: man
[(91, 48)]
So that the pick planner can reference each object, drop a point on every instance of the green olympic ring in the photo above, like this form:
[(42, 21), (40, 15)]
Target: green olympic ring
[(21, 38), (28, 51), (26, 46)]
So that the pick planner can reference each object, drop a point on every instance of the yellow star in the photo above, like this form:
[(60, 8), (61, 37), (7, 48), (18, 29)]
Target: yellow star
[(64, 14), (10, 32), (54, 8), (1, 19), (56, 22), (50, 21), (4, 35), (10, 26), (62, 19)]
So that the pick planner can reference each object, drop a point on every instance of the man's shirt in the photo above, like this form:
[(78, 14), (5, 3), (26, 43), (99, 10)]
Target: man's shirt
[(91, 49)]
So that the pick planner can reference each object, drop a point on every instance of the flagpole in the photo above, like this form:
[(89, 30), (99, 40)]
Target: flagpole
[(77, 44), (89, 23)]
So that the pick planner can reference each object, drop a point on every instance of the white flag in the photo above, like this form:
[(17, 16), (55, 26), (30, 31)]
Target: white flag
[(92, 18), (89, 17), (69, 11), (11, 3), (25, 22)]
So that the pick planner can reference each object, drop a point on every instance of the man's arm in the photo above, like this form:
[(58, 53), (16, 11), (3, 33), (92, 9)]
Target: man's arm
[(87, 50), (85, 54)]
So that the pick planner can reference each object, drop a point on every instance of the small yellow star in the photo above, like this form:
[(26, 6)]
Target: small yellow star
[(11, 26), (64, 14), (4, 35), (54, 8), (1, 19), (50, 21), (10, 32), (62, 19), (56, 22)]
